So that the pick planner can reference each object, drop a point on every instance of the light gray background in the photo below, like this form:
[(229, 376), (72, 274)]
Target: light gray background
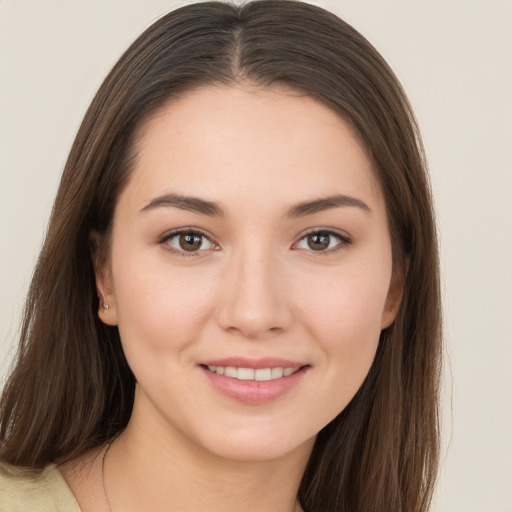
[(454, 58)]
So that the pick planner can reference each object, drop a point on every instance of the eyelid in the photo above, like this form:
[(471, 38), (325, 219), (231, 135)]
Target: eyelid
[(345, 240), (186, 230)]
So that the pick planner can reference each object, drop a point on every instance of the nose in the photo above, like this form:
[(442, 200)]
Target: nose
[(255, 299)]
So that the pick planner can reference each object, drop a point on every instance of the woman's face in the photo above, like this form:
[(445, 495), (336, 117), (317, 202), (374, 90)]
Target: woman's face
[(250, 270)]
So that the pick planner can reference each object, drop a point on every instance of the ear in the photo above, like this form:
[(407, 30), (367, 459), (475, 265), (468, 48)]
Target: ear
[(394, 297), (107, 306)]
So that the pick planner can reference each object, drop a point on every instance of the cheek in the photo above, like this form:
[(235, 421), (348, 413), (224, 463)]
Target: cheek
[(348, 330), (159, 307), (348, 308), (346, 327), (343, 313)]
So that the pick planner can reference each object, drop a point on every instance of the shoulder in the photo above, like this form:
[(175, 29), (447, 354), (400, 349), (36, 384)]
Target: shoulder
[(44, 490)]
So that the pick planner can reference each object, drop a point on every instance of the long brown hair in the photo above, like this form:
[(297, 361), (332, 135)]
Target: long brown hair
[(71, 388)]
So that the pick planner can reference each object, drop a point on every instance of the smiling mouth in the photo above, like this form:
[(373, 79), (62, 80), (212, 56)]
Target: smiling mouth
[(254, 382), (255, 374)]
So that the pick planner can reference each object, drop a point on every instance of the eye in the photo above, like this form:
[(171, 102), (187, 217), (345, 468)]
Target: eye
[(322, 241), (187, 241)]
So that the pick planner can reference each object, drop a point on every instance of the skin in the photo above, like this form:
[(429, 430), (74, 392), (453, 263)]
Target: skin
[(255, 288)]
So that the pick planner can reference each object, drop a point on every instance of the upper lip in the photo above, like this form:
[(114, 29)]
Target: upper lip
[(244, 362)]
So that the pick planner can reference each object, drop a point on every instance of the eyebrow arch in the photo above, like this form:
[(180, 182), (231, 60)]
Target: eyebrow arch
[(318, 205), (203, 207), (192, 204)]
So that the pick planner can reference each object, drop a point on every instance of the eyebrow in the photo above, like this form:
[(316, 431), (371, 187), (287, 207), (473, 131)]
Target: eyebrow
[(211, 209), (192, 204), (326, 203)]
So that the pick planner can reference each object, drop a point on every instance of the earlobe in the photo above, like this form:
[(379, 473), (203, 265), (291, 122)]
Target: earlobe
[(388, 317), (394, 298), (107, 311), (107, 307)]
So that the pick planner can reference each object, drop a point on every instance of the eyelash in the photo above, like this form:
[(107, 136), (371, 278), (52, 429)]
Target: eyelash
[(344, 241), (184, 231)]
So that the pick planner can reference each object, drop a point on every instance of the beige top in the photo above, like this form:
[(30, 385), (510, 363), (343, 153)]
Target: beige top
[(28, 490)]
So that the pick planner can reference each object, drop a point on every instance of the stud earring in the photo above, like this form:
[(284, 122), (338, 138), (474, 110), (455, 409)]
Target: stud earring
[(105, 306)]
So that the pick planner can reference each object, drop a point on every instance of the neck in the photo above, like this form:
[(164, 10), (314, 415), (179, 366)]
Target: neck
[(148, 469)]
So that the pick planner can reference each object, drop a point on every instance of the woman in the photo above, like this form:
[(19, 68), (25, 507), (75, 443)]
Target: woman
[(237, 302)]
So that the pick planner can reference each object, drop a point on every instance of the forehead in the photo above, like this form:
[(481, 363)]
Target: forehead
[(236, 142)]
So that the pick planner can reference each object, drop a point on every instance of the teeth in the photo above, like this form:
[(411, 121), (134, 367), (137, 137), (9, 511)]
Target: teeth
[(245, 374), (229, 371), (277, 373), (263, 374), (259, 374)]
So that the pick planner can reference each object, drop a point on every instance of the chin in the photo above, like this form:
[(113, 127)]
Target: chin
[(257, 444), (262, 450)]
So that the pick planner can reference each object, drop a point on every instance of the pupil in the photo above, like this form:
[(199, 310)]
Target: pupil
[(318, 241), (190, 242)]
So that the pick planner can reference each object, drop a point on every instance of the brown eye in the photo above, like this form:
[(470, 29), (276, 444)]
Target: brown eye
[(323, 241), (190, 242), (319, 241)]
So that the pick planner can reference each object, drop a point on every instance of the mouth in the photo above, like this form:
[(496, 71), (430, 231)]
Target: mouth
[(256, 374), (254, 382)]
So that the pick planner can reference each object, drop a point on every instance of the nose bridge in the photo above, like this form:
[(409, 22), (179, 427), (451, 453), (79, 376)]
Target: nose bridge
[(254, 303)]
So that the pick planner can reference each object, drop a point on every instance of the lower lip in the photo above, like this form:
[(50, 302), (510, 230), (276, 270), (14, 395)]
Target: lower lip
[(254, 392)]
